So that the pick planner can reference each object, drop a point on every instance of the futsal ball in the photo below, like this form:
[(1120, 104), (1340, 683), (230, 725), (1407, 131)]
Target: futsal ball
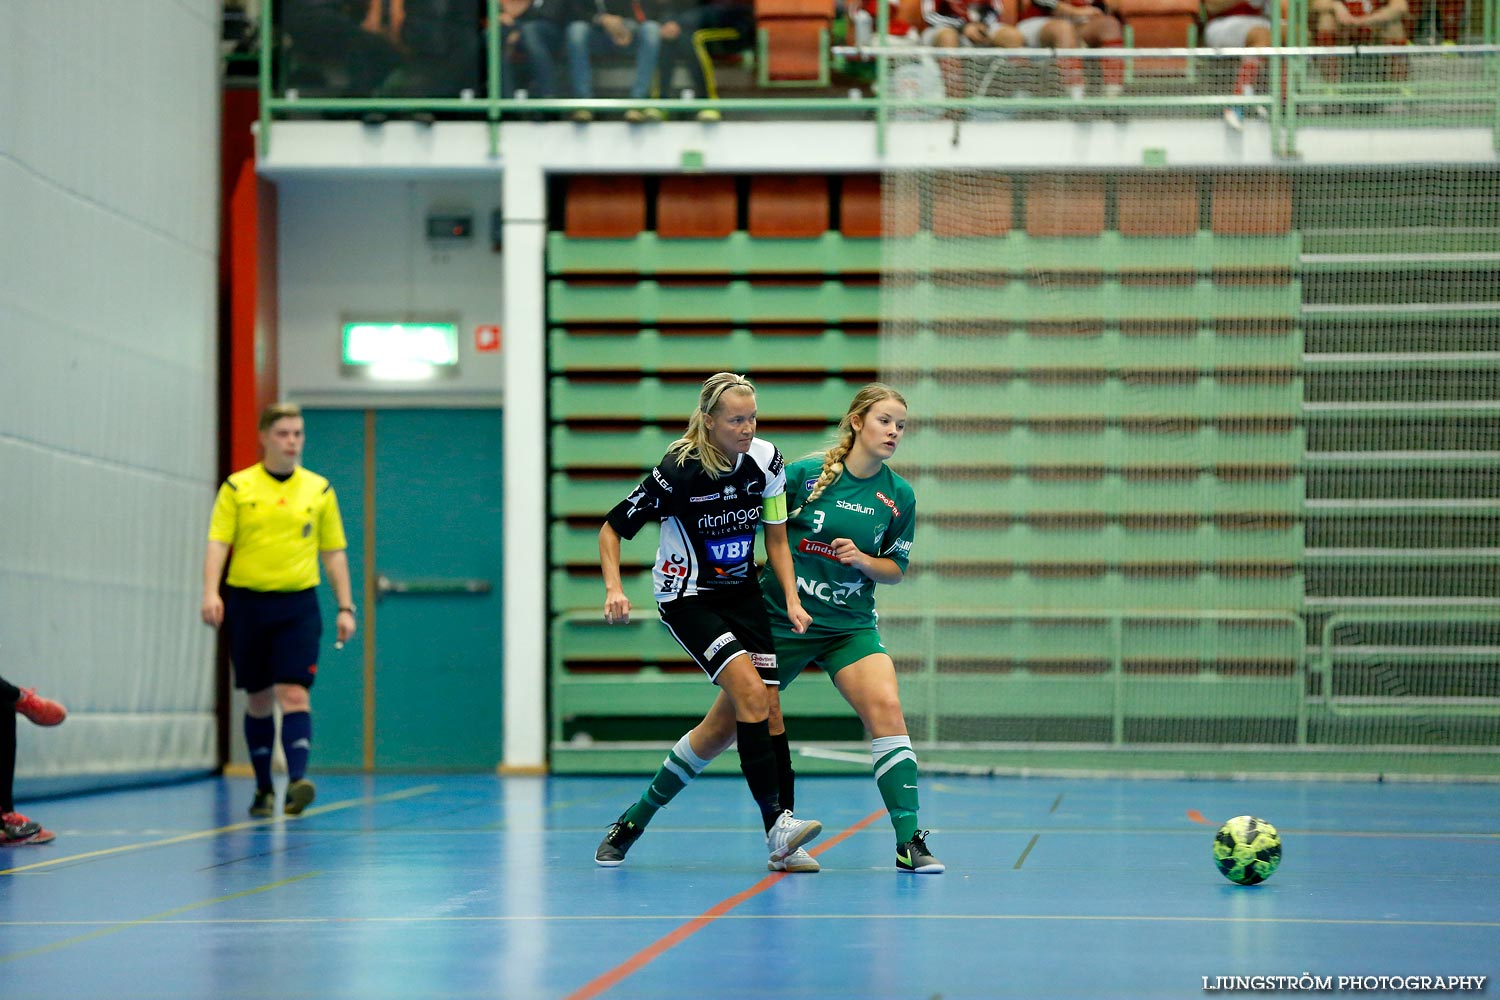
[(1247, 850)]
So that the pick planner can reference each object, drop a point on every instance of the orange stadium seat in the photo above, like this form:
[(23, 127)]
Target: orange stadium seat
[(792, 37), (1159, 24), (696, 206), (973, 205), (862, 211), (1259, 205), (784, 206), (1157, 205), (604, 207), (1065, 206)]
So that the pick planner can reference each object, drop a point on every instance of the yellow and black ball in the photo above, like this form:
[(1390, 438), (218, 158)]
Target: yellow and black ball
[(1247, 850)]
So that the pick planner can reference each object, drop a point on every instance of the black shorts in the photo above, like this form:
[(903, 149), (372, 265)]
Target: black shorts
[(273, 637), (715, 629)]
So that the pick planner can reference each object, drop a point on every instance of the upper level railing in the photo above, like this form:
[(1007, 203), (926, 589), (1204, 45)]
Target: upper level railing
[(348, 69)]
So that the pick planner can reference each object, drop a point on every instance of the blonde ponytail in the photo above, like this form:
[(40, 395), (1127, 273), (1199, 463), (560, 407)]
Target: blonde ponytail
[(833, 467)]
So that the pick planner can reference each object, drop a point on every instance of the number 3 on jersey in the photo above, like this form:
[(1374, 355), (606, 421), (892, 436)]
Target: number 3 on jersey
[(817, 524)]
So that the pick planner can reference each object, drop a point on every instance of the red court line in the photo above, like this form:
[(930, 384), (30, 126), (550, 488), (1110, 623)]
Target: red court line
[(825, 845), (1197, 817), (644, 957)]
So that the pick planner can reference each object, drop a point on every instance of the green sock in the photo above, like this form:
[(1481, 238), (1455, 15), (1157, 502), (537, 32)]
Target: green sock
[(896, 776), (680, 767)]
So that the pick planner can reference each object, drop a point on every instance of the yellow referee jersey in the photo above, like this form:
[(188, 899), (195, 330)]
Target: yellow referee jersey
[(277, 529)]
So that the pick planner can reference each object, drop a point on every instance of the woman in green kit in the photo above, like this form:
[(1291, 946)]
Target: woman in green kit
[(851, 529)]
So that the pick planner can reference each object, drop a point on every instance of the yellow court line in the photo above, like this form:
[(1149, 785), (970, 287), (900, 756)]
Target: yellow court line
[(232, 828), (154, 918)]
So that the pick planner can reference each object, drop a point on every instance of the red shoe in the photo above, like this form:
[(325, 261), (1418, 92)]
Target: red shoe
[(16, 830), (42, 711)]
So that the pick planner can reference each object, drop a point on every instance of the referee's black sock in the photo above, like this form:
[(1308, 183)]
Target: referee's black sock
[(758, 763), (786, 777)]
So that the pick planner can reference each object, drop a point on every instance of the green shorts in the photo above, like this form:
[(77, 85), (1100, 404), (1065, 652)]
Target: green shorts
[(832, 652)]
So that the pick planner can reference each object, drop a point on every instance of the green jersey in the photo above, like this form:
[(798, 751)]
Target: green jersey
[(878, 514)]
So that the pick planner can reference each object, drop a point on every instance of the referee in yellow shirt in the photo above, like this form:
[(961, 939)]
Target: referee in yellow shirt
[(277, 518)]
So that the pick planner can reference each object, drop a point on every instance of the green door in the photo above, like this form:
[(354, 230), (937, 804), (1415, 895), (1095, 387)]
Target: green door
[(421, 688)]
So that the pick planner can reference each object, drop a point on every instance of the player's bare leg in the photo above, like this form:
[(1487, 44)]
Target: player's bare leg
[(869, 686)]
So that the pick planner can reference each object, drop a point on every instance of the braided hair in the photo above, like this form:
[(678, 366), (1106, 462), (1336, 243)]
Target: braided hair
[(697, 443), (833, 458)]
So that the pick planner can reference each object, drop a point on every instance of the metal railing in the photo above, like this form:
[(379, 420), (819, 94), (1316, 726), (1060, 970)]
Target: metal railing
[(1295, 87), (929, 624), (1399, 703)]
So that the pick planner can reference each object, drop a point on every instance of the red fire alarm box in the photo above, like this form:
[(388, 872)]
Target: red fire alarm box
[(486, 338)]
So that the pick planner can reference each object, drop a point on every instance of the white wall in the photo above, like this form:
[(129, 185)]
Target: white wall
[(358, 248), (108, 284)]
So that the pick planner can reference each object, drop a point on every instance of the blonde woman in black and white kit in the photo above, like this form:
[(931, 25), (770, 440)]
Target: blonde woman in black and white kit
[(715, 486)]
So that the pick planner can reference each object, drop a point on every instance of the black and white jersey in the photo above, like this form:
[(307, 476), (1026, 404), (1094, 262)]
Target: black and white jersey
[(707, 525)]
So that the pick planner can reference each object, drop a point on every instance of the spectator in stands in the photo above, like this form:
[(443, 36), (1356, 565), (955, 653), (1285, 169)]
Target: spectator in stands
[(863, 20), (513, 13), (542, 30), (339, 48), (614, 27), (1064, 24), (439, 41), (717, 488), (17, 830), (966, 23), (1239, 24), (1448, 15), (1361, 22), (278, 519), (677, 30), (238, 27), (954, 23)]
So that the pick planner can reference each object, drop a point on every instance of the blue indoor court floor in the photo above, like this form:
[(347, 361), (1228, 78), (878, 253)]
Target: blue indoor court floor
[(423, 888)]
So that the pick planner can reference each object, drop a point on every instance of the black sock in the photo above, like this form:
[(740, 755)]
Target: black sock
[(7, 759), (786, 777), (758, 763)]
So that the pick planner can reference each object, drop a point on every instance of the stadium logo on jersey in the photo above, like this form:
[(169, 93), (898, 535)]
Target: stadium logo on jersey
[(857, 508), (837, 594), (728, 551), (817, 549), (730, 493), (888, 502), (735, 518), (661, 480), (705, 498)]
